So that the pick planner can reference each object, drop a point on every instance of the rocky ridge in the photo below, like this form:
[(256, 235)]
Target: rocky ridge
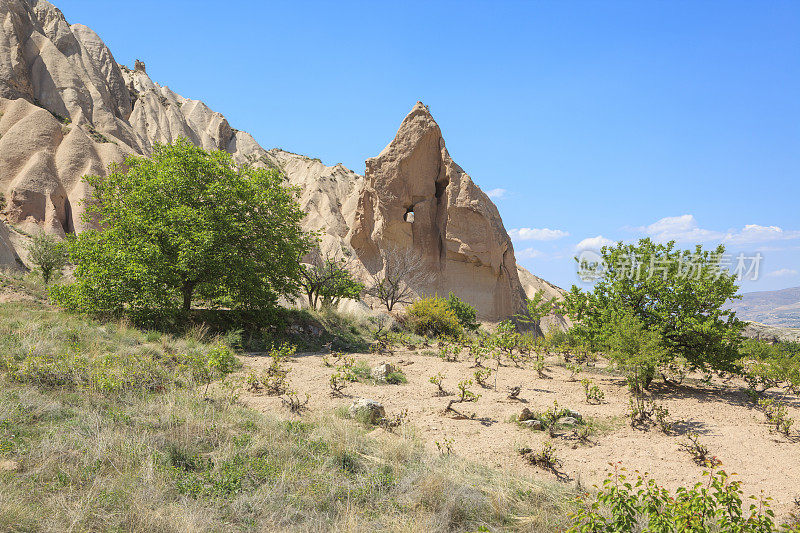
[(68, 109)]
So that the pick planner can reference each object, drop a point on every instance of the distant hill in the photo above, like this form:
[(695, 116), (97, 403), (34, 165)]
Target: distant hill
[(774, 308)]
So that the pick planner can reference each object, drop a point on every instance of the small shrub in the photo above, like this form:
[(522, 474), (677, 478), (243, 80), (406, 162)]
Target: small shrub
[(445, 447), (478, 351), (574, 369), (699, 451), (545, 458), (775, 411), (433, 317), (449, 351), (593, 393), (396, 378), (292, 401), (337, 383), (464, 395), (481, 375), (48, 254), (437, 380), (275, 377), (217, 362), (644, 412), (465, 313), (769, 366), (539, 365)]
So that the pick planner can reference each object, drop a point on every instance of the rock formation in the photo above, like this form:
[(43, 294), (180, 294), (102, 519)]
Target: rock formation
[(67, 109), (415, 196)]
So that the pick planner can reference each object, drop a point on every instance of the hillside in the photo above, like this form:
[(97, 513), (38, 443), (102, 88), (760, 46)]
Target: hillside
[(67, 109), (773, 308)]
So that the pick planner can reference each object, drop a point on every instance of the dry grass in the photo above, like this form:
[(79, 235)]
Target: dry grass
[(78, 458)]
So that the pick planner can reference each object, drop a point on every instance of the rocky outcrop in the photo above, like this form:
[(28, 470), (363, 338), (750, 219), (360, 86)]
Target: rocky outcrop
[(8, 255), (416, 197), (771, 334), (531, 285)]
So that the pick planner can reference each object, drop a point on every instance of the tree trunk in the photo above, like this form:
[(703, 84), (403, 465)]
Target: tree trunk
[(188, 289)]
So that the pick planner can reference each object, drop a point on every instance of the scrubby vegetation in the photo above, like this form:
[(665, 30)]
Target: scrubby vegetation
[(433, 317), (713, 505), (119, 428), (48, 254), (105, 427), (678, 295)]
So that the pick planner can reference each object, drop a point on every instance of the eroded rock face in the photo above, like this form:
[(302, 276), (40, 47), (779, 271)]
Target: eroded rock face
[(415, 196), (68, 110)]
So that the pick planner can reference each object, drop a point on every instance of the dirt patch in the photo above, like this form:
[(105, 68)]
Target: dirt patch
[(727, 422)]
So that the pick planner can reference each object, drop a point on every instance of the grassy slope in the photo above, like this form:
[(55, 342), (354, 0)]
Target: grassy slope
[(84, 447)]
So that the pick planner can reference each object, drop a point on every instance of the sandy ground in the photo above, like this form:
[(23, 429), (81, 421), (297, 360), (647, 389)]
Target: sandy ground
[(731, 427)]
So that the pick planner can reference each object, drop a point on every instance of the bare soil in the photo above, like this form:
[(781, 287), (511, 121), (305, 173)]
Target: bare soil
[(732, 427)]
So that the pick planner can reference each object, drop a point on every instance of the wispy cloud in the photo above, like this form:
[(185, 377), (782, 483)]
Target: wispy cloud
[(593, 243), (684, 228), (537, 234), (496, 194), (753, 233), (782, 273), (530, 253)]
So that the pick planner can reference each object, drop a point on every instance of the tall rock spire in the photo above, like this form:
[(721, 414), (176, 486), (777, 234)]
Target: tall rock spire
[(415, 196)]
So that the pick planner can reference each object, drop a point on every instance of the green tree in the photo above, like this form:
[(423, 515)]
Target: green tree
[(677, 294), (637, 350), (327, 281), (536, 309), (182, 224), (467, 315), (48, 254)]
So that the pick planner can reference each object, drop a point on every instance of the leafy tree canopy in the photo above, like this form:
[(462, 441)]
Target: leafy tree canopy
[(326, 280), (48, 254), (678, 294), (186, 224)]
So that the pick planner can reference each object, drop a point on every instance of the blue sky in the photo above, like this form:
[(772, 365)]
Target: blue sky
[(591, 120)]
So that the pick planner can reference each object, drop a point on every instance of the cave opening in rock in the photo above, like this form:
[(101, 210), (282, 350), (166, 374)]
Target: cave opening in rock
[(409, 215)]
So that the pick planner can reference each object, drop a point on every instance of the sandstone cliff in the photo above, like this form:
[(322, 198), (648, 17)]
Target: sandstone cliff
[(67, 109)]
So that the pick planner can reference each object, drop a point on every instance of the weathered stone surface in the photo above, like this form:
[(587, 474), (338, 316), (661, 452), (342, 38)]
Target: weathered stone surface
[(526, 414), (536, 425), (367, 410), (382, 371), (455, 226)]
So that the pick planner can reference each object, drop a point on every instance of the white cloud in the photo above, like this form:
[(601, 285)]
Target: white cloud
[(683, 228), (537, 234), (497, 194), (753, 233), (593, 243), (530, 253), (782, 273)]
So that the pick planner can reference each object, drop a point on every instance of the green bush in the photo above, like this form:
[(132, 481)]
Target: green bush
[(644, 506), (769, 366), (48, 254), (466, 314), (433, 317)]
